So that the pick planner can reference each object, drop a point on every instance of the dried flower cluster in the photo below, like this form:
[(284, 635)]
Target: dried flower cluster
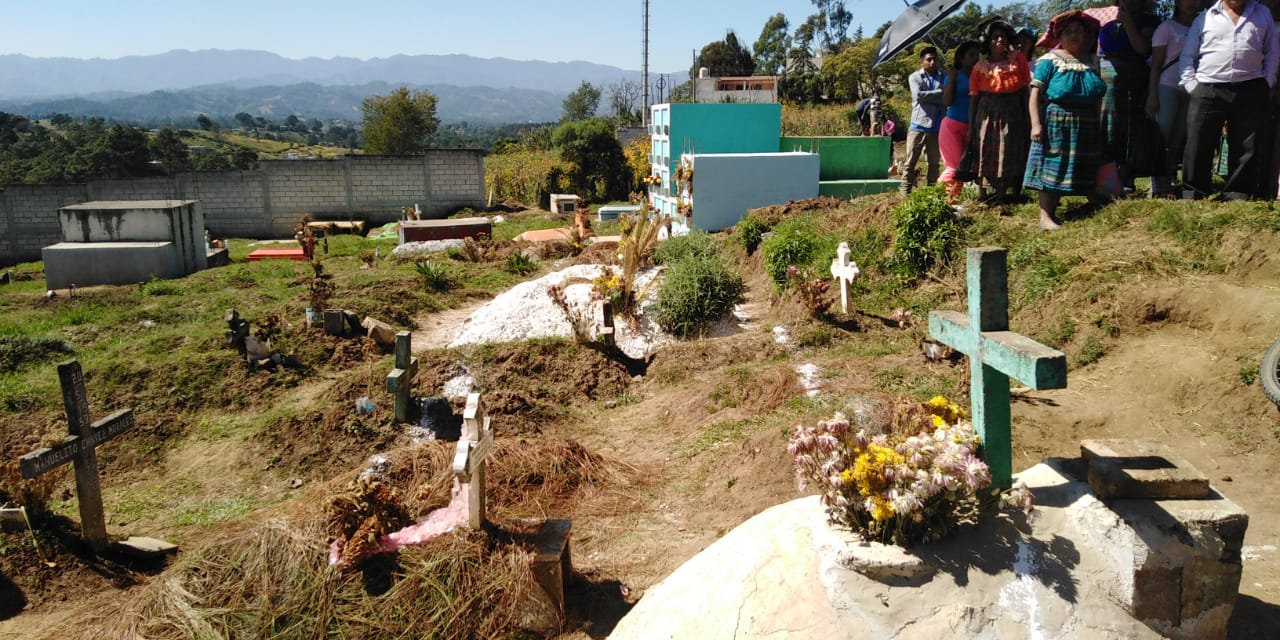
[(915, 477)]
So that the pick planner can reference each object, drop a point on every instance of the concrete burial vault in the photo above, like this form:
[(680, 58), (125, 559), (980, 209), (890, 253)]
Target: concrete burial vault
[(124, 242)]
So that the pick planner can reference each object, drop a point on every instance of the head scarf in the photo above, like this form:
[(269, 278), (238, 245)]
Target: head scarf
[(1051, 35)]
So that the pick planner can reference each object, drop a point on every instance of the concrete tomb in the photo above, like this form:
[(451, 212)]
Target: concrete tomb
[(125, 242), (725, 185), (448, 229), (564, 203)]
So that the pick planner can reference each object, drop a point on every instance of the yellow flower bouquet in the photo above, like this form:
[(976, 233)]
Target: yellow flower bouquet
[(914, 476)]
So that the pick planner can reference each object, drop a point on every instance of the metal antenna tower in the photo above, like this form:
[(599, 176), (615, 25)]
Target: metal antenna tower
[(644, 70)]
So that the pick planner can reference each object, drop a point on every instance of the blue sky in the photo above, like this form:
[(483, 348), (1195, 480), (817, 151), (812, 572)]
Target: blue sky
[(604, 31)]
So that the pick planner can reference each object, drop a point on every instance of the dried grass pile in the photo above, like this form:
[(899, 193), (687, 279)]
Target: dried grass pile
[(270, 578)]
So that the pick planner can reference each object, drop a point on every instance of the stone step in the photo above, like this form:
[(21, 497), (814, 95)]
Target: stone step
[(1141, 469)]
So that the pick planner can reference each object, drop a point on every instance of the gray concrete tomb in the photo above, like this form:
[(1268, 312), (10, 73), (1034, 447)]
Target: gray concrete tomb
[(125, 242)]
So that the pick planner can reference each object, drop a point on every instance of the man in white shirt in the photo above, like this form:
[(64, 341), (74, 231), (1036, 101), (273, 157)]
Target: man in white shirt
[(1229, 63)]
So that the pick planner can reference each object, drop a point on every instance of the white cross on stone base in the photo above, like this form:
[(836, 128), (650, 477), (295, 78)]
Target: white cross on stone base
[(468, 462)]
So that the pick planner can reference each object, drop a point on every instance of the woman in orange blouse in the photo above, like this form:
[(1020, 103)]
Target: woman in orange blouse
[(999, 123)]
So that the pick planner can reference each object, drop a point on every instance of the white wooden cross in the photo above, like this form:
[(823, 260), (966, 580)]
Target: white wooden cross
[(80, 449), (468, 462), (845, 273)]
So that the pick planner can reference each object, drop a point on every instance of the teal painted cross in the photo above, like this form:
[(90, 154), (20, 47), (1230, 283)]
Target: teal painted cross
[(995, 355), (400, 380)]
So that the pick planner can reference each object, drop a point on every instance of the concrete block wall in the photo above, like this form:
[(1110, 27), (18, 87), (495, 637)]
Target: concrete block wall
[(263, 203), (30, 213)]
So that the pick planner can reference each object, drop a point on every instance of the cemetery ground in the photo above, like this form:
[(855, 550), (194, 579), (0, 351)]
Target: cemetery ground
[(1163, 308)]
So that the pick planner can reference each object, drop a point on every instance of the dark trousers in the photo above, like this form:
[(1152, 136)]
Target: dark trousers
[(1240, 105)]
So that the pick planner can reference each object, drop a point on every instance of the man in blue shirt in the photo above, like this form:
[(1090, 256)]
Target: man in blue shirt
[(926, 116), (1229, 63)]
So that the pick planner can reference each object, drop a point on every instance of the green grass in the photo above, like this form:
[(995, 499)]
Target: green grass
[(211, 512)]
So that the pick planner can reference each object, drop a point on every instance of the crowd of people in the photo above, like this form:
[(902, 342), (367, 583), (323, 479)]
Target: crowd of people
[(1105, 102)]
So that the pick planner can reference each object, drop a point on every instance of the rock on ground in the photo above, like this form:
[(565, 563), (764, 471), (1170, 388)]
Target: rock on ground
[(527, 311)]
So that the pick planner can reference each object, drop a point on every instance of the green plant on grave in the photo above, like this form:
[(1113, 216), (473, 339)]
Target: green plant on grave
[(794, 243), (520, 264), (695, 244), (367, 256), (696, 290), (925, 232), (751, 230), (639, 236), (158, 287), (903, 476), (435, 275)]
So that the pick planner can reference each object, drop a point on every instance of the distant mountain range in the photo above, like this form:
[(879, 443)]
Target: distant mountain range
[(182, 84)]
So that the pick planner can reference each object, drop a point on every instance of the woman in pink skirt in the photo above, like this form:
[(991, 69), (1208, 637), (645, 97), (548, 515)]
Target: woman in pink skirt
[(953, 135)]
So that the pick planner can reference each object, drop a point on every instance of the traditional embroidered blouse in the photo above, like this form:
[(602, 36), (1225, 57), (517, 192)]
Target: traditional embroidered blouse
[(1067, 80), (1009, 76)]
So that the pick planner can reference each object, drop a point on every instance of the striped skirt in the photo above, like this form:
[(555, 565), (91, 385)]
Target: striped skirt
[(999, 139), (1068, 160)]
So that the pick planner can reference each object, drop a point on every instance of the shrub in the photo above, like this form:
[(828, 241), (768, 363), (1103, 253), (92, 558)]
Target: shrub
[(910, 477), (751, 229), (926, 231), (793, 243), (696, 290), (435, 275), (520, 264), (695, 244), (157, 287)]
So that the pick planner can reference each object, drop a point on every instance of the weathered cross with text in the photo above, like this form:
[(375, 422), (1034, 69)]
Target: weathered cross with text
[(400, 380), (468, 461), (995, 354), (80, 449)]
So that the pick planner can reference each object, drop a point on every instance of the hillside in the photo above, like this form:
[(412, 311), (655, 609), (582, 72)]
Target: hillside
[(473, 104), (1163, 308), (26, 77)]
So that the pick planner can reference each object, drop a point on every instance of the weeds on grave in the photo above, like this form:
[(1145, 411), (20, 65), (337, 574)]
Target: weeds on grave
[(695, 244), (751, 230), (814, 293), (639, 235), (520, 264), (361, 516), (367, 256), (926, 232), (158, 287), (696, 290), (794, 243), (321, 287), (435, 276), (905, 476)]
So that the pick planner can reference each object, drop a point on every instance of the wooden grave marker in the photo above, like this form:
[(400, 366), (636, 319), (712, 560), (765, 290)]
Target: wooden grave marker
[(468, 462), (607, 335), (995, 355), (80, 449), (400, 380)]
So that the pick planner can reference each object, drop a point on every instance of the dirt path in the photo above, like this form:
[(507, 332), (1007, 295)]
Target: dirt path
[(436, 330)]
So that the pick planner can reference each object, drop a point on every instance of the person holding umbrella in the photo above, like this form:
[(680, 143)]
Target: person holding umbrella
[(998, 124), (1066, 95)]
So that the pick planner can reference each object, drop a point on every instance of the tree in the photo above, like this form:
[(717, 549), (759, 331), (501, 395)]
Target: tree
[(245, 120), (582, 103), (836, 19), (802, 43), (624, 101), (170, 151), (399, 124), (204, 122), (771, 48), (60, 120), (598, 169), (725, 58)]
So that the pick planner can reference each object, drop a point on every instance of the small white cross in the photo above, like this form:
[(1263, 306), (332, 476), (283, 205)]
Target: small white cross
[(845, 273)]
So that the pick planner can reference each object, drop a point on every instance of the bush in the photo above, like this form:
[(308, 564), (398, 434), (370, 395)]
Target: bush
[(926, 232), (793, 243), (695, 291), (157, 287), (520, 264), (435, 276), (751, 230), (695, 244)]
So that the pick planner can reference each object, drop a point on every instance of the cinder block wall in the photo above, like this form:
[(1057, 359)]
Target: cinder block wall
[(264, 203)]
